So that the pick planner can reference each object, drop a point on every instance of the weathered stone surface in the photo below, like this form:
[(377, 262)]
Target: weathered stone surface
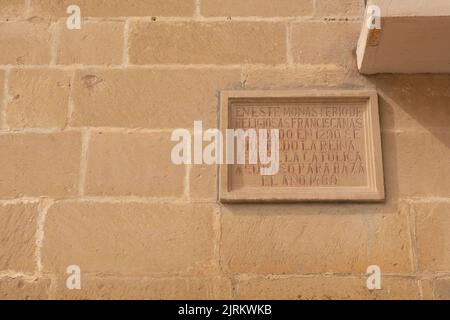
[(35, 164), (207, 43), (427, 289), (432, 223), (339, 8), (116, 8), (161, 98), (147, 288), (416, 162), (27, 43), (24, 288), (325, 43), (315, 238), (17, 237), (413, 101), (95, 43), (264, 8), (326, 288), (39, 98), (133, 164), (143, 228), (2, 95), (203, 182), (442, 289), (134, 238), (293, 78), (11, 9)]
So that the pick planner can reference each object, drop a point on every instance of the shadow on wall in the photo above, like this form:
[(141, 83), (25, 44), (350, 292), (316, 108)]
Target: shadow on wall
[(415, 118), (414, 101)]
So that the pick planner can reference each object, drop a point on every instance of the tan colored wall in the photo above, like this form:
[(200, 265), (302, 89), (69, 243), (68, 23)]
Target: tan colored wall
[(86, 176)]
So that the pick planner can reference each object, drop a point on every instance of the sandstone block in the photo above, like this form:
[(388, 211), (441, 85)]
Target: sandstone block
[(27, 43), (39, 98), (134, 238), (133, 164), (39, 164), (207, 43), (160, 98), (17, 235)]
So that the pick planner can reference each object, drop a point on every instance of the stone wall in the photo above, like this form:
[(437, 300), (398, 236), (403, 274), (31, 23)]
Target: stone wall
[(86, 177)]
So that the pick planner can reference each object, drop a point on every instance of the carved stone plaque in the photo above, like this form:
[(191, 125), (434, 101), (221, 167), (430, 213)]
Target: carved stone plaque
[(329, 146)]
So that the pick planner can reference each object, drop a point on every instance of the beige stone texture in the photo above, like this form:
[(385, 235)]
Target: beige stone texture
[(433, 239), (123, 288), (161, 98), (134, 238), (85, 123), (17, 237), (2, 101), (413, 102), (207, 43), (260, 8), (324, 43), (27, 43), (203, 182), (39, 98), (26, 288), (339, 8), (39, 164), (417, 163), (426, 286), (294, 78), (12, 9), (133, 164), (442, 289), (326, 288), (315, 238), (116, 8), (95, 43)]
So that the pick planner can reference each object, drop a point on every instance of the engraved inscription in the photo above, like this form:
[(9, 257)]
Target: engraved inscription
[(329, 148), (320, 145)]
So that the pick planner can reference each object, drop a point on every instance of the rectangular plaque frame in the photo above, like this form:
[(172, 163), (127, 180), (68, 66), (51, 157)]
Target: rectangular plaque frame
[(373, 190)]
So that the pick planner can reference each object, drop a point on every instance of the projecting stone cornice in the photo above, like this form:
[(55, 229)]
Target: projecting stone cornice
[(410, 36)]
